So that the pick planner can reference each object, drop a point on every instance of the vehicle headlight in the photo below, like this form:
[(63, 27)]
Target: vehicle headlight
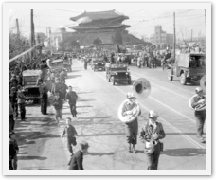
[(126, 73)]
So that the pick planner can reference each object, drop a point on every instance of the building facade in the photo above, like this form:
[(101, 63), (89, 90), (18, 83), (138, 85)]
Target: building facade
[(161, 37), (104, 27)]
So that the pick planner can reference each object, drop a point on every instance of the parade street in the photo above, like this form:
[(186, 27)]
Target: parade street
[(42, 147)]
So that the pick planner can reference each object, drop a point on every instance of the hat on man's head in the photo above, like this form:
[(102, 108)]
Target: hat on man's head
[(153, 114), (84, 145), (198, 89)]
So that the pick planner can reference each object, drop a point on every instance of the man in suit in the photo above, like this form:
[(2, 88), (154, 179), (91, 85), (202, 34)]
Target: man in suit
[(75, 162)]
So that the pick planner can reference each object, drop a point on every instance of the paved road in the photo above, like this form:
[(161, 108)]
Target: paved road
[(41, 146)]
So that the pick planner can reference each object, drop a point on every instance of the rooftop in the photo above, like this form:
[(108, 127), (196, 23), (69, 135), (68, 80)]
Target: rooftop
[(110, 14)]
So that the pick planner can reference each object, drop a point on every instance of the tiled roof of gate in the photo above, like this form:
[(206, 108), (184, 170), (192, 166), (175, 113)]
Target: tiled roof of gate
[(99, 15)]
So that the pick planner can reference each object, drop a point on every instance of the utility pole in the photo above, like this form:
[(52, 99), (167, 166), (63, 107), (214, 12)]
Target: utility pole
[(49, 32), (17, 26), (174, 38), (32, 32)]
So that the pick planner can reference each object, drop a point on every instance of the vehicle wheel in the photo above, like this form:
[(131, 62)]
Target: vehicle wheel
[(183, 79), (170, 77)]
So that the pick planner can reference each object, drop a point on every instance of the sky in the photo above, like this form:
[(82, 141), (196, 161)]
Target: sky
[(142, 19)]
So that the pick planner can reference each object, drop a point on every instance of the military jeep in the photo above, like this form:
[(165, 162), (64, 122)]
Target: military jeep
[(31, 90), (189, 67), (98, 64), (57, 66), (118, 73)]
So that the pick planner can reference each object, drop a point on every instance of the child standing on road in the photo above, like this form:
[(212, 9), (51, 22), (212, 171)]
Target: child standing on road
[(71, 134), (57, 103)]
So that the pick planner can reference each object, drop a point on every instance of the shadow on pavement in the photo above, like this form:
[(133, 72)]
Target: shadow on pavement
[(73, 76), (84, 106), (100, 154), (184, 152), (86, 99), (31, 157), (75, 70), (84, 92)]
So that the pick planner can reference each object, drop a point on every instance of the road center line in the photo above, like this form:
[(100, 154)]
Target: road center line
[(168, 124), (170, 108)]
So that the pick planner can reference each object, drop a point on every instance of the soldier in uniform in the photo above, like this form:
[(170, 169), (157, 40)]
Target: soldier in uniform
[(150, 134), (21, 102), (44, 97)]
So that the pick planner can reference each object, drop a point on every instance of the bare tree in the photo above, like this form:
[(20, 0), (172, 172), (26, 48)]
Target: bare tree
[(184, 34)]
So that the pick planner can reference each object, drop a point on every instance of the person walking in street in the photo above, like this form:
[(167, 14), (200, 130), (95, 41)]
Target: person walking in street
[(57, 87), (57, 103), (21, 102), (71, 134), (62, 76), (13, 100), (131, 128), (13, 150), (64, 90), (150, 134), (200, 116), (72, 99), (44, 97), (76, 160), (11, 118)]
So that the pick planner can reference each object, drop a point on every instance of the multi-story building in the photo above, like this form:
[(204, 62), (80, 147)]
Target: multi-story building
[(161, 37)]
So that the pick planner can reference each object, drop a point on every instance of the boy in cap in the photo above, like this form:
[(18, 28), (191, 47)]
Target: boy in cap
[(150, 134), (76, 160), (57, 103), (13, 150), (71, 134)]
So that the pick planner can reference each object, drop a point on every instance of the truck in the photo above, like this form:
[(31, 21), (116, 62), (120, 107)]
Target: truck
[(189, 67)]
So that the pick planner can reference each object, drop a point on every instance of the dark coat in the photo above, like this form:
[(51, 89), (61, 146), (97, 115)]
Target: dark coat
[(76, 161)]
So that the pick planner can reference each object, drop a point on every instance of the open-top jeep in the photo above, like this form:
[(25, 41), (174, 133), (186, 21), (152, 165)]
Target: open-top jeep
[(31, 90), (98, 64), (57, 67), (118, 73), (189, 67)]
